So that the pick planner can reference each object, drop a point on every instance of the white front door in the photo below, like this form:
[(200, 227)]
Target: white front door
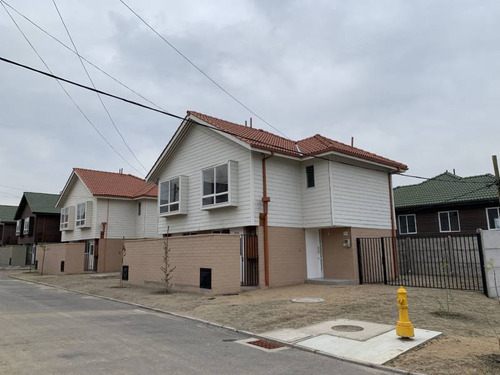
[(314, 254), (89, 255)]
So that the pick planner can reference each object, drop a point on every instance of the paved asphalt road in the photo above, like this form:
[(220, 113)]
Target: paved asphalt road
[(45, 330)]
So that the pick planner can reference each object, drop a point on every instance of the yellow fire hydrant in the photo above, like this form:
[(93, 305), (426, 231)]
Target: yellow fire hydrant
[(404, 328)]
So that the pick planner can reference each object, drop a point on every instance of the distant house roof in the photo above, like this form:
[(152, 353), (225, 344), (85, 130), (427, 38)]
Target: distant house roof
[(110, 184), (311, 146), (40, 203), (447, 188), (7, 213)]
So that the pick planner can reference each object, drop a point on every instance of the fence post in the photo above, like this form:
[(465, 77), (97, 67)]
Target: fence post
[(481, 262), (360, 264), (383, 260)]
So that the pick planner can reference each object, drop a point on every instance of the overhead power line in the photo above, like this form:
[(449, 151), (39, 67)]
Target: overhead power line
[(93, 85), (80, 56), (65, 91), (201, 70), (172, 114)]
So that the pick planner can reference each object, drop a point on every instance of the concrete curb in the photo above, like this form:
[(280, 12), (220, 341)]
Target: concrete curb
[(229, 328)]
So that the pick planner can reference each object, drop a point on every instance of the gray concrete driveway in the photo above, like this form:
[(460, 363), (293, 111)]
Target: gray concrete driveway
[(45, 330)]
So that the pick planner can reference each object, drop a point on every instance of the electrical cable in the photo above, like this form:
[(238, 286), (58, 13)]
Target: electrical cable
[(65, 91), (93, 85), (80, 56), (201, 70), (285, 150)]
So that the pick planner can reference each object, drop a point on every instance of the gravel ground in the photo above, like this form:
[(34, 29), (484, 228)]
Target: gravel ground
[(468, 346)]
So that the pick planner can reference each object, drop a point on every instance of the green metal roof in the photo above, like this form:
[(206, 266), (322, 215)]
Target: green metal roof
[(446, 188), (7, 213), (42, 203)]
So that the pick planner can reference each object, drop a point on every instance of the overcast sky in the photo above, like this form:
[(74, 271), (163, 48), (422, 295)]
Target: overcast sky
[(415, 81)]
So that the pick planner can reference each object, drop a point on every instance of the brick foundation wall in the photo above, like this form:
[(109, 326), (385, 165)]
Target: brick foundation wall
[(71, 253), (220, 252)]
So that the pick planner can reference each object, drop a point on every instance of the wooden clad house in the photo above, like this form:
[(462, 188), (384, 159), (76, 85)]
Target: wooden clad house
[(307, 200), (7, 225), (447, 204), (37, 220), (98, 210)]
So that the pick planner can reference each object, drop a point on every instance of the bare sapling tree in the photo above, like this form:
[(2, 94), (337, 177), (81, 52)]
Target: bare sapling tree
[(167, 269), (123, 253)]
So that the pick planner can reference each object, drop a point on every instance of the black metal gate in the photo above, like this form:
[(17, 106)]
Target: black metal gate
[(448, 262), (249, 255)]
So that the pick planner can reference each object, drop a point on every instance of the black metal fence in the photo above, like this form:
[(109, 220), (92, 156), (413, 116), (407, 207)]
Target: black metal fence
[(249, 260), (450, 262)]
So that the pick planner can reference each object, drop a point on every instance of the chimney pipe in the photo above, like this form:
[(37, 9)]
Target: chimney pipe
[(120, 171), (250, 122), (246, 123), (352, 141)]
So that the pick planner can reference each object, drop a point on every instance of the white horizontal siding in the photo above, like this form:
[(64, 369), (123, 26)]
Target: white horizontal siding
[(360, 197), (283, 188), (120, 216), (78, 193), (202, 148), (148, 220), (316, 203)]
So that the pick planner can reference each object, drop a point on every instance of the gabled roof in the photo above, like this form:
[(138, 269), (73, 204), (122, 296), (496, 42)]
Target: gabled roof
[(110, 184), (7, 213), (39, 203), (311, 146), (447, 188)]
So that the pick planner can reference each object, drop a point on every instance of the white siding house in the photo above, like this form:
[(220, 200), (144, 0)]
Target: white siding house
[(316, 187), (103, 208)]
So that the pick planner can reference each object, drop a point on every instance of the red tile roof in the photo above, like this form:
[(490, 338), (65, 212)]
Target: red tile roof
[(109, 184), (311, 146)]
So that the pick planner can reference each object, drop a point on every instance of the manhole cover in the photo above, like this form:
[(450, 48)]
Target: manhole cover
[(347, 328), (308, 300)]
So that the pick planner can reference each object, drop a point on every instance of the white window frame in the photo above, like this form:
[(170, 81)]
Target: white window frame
[(488, 219), (169, 204), (79, 222), (64, 223), (449, 221), (26, 221), (406, 218), (215, 194)]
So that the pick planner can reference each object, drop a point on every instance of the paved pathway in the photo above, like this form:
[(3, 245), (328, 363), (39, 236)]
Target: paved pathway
[(45, 330)]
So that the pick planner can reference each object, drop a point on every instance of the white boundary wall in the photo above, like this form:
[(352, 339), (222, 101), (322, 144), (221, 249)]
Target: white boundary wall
[(491, 251)]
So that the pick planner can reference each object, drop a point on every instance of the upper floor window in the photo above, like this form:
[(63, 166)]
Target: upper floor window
[(26, 229), (407, 224), (310, 176), (215, 185), (449, 221), (220, 185), (170, 195), (493, 215), (64, 224), (139, 209), (80, 214)]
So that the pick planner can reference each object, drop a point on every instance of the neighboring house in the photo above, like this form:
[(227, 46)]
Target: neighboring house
[(7, 225), (447, 204), (100, 209), (37, 220), (321, 195)]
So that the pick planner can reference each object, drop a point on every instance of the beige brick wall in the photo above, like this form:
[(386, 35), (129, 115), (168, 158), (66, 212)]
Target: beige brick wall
[(287, 256), (16, 254), (71, 253), (340, 262), (110, 255), (220, 252)]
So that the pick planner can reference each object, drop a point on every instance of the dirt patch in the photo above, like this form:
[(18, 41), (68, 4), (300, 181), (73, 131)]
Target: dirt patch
[(468, 346)]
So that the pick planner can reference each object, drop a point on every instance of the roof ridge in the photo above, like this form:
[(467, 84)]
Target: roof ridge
[(101, 171), (243, 126)]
